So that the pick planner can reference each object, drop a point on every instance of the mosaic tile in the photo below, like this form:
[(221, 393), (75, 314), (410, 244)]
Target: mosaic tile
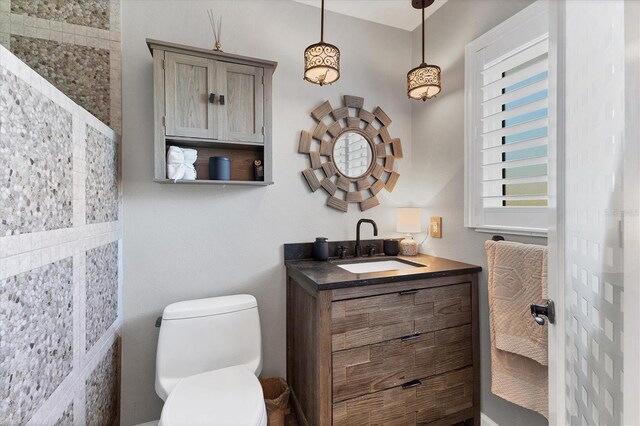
[(102, 389), (92, 13), (36, 326), (101, 189), (66, 418), (80, 72), (102, 291), (35, 160)]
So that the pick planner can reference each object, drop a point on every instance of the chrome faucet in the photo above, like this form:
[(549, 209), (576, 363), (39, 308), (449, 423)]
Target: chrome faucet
[(375, 234)]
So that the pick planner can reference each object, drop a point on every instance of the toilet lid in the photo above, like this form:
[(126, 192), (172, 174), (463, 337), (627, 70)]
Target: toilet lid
[(229, 396)]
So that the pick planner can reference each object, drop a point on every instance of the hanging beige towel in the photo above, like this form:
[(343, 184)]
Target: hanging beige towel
[(520, 380), (517, 277)]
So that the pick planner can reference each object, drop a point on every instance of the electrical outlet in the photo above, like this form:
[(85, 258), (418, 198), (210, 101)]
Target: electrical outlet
[(435, 227)]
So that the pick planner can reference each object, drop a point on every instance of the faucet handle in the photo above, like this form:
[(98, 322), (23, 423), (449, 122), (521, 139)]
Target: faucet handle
[(342, 252), (371, 249)]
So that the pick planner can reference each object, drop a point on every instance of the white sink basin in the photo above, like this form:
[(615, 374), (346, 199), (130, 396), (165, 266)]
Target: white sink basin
[(380, 266)]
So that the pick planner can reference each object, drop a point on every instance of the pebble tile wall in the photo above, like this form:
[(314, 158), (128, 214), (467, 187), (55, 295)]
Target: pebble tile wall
[(102, 296), (35, 160), (60, 254), (87, 84), (102, 390), (66, 418), (102, 179), (37, 353), (62, 38)]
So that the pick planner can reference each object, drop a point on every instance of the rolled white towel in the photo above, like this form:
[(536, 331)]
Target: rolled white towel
[(180, 163)]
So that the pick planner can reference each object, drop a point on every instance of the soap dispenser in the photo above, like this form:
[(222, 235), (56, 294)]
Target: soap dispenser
[(321, 249)]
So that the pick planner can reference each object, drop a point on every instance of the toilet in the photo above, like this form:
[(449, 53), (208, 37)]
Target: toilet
[(207, 362)]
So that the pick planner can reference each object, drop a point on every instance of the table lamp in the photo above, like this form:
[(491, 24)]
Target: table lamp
[(409, 221)]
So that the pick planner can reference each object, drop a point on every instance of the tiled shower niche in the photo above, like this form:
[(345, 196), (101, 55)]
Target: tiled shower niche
[(60, 255)]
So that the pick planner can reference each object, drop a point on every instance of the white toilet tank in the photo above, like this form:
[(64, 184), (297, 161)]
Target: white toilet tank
[(201, 335)]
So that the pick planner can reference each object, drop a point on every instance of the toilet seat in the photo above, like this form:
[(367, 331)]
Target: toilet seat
[(227, 397)]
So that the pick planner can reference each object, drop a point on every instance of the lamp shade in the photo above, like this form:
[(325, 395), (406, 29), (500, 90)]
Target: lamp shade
[(322, 63), (409, 220), (423, 82)]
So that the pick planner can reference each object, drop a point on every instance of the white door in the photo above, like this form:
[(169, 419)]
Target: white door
[(593, 268)]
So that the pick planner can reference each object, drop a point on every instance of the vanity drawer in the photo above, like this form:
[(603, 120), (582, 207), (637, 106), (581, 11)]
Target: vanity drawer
[(375, 319), (443, 399), (373, 368)]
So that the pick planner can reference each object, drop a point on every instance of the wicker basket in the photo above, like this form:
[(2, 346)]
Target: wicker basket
[(276, 398)]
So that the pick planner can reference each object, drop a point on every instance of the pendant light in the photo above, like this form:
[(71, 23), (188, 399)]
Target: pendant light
[(322, 60), (423, 82)]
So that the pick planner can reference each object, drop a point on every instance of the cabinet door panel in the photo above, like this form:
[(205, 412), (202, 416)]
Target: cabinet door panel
[(188, 82), (242, 114)]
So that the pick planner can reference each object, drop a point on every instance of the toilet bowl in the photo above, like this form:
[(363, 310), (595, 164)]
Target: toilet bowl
[(229, 396), (208, 358)]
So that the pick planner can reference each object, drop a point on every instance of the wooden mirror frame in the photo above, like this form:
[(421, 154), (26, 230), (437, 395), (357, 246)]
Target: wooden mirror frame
[(323, 172)]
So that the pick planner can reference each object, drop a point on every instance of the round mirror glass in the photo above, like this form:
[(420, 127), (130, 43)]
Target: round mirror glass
[(352, 154)]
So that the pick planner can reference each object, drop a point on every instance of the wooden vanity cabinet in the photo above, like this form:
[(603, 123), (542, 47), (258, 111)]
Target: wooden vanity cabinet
[(215, 102), (404, 353)]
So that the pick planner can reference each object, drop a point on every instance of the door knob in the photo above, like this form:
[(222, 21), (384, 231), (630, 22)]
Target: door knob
[(547, 310), (212, 98), (221, 99)]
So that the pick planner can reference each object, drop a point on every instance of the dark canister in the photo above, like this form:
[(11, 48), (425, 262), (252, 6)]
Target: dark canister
[(391, 247), (321, 249), (219, 168)]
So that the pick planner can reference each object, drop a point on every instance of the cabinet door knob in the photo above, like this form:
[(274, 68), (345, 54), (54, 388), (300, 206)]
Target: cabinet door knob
[(221, 99), (212, 98)]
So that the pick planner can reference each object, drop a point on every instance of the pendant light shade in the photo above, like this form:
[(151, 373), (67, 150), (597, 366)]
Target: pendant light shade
[(322, 60), (423, 81)]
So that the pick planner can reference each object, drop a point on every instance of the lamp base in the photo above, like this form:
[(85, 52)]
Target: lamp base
[(408, 246)]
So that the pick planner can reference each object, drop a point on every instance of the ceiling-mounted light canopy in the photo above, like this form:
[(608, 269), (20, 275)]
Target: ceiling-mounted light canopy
[(423, 81), (322, 60)]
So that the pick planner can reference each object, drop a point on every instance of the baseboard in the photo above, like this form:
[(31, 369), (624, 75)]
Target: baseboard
[(486, 420)]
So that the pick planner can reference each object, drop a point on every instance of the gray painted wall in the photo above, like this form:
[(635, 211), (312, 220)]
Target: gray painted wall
[(187, 242), (437, 136)]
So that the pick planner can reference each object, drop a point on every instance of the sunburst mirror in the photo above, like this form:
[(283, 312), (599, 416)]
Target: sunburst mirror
[(351, 152)]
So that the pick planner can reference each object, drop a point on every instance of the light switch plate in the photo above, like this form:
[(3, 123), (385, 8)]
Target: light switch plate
[(435, 227)]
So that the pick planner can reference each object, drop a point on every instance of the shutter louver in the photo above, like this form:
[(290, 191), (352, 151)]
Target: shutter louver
[(514, 129)]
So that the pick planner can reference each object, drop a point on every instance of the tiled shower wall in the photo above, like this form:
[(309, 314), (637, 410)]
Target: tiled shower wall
[(60, 255), (74, 44)]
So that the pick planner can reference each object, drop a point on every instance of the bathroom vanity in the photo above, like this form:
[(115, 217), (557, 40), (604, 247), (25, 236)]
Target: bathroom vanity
[(394, 346)]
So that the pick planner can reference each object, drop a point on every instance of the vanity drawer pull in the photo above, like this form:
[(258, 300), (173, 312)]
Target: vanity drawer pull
[(410, 337), (411, 384), (402, 293)]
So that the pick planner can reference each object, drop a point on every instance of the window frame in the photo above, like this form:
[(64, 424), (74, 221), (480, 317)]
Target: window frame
[(526, 28)]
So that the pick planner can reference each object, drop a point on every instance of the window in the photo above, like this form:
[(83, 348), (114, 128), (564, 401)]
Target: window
[(506, 125)]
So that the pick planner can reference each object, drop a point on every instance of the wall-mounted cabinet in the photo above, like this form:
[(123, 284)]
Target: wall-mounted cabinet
[(216, 103)]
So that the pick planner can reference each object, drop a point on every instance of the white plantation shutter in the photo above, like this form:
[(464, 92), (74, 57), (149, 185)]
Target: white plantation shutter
[(506, 134)]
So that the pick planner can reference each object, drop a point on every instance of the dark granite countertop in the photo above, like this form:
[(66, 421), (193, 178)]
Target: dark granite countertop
[(328, 275)]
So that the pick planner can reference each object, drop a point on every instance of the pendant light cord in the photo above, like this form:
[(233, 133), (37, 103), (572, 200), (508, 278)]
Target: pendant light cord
[(322, 23), (423, 7)]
